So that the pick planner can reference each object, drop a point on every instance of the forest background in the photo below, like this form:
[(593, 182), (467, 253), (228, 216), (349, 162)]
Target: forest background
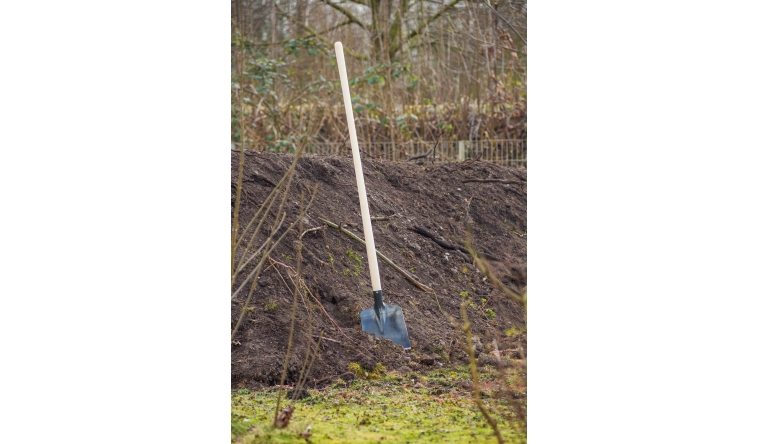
[(419, 70)]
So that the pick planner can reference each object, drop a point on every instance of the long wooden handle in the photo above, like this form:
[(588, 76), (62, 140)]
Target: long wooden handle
[(371, 251)]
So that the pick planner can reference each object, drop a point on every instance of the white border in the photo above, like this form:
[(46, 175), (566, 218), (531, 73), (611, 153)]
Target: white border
[(114, 177)]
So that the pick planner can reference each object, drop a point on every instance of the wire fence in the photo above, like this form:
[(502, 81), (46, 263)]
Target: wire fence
[(511, 152)]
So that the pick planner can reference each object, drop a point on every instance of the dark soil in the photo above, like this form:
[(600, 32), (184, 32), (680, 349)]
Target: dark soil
[(424, 195)]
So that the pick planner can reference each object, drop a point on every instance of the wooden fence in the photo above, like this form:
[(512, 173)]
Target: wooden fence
[(512, 152)]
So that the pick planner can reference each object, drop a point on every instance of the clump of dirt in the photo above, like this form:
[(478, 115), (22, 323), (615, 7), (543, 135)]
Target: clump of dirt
[(443, 200)]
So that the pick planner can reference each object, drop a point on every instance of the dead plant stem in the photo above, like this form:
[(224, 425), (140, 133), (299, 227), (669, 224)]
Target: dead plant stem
[(256, 253), (466, 327), (293, 317), (258, 270), (254, 276), (239, 183), (287, 179), (304, 285), (273, 262)]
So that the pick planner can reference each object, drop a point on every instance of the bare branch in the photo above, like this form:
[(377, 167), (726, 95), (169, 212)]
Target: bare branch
[(423, 25), (319, 35), (500, 16), (347, 14)]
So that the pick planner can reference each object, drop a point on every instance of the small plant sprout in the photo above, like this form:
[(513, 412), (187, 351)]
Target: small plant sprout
[(514, 231), (352, 254), (357, 260), (270, 305)]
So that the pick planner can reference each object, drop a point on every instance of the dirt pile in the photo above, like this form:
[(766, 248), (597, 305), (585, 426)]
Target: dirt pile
[(412, 198)]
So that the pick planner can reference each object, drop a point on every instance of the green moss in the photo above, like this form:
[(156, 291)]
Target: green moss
[(237, 425), (357, 370), (416, 408), (361, 372)]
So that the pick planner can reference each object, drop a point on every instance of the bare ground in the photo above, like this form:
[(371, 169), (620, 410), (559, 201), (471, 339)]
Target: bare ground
[(437, 198)]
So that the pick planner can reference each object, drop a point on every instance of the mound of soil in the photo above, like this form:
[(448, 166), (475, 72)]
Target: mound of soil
[(440, 200)]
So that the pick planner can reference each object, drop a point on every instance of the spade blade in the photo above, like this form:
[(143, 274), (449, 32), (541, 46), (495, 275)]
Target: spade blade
[(389, 325)]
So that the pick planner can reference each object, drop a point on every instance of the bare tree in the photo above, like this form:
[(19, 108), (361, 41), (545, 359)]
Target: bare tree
[(418, 68)]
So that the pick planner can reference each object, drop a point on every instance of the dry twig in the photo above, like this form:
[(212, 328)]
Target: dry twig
[(291, 332), (466, 327), (423, 232), (494, 180), (312, 230), (328, 339), (409, 278), (421, 156), (304, 285)]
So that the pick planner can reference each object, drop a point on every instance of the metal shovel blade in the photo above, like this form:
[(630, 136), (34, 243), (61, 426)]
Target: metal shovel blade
[(386, 321)]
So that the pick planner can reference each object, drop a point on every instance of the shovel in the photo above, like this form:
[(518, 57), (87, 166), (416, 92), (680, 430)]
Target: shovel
[(384, 321)]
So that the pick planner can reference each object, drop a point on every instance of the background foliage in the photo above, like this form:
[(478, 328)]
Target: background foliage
[(418, 70)]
